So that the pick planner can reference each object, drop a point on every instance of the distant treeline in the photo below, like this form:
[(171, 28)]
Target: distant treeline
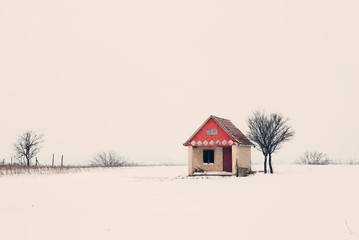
[(345, 162)]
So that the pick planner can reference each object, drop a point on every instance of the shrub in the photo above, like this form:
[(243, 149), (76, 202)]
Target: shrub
[(313, 158)]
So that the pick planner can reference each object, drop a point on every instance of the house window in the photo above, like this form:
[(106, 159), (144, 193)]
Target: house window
[(212, 132), (208, 156)]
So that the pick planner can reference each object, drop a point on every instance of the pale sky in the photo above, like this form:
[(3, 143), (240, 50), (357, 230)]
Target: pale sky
[(140, 77)]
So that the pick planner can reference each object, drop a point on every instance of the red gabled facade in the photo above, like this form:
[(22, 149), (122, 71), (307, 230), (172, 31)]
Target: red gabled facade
[(202, 139), (226, 134)]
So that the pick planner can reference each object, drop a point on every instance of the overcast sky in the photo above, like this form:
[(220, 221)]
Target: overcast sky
[(140, 77)]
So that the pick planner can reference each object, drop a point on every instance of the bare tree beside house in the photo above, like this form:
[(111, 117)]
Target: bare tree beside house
[(28, 146), (269, 132), (258, 133), (107, 159), (279, 133)]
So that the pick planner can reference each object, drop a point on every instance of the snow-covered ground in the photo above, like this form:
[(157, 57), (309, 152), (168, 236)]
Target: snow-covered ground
[(298, 202)]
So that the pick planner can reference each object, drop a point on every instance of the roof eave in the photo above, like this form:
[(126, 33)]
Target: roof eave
[(241, 144)]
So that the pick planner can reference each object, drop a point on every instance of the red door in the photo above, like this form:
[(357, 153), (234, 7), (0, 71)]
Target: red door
[(227, 159)]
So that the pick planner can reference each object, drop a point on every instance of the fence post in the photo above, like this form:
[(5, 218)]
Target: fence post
[(53, 156), (36, 161), (62, 160), (3, 162)]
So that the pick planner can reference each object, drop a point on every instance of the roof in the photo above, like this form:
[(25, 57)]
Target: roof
[(228, 127)]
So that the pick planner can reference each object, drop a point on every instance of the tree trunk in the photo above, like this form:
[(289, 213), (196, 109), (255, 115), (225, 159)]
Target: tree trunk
[(270, 163), (265, 164)]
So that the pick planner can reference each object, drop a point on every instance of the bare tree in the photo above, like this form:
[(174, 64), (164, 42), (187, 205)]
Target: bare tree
[(269, 132), (279, 133), (314, 158), (258, 133), (27, 146), (108, 158)]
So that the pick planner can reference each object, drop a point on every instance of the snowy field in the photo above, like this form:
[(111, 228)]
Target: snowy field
[(298, 202)]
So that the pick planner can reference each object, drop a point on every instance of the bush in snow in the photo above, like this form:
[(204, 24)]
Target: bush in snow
[(108, 159), (313, 158)]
